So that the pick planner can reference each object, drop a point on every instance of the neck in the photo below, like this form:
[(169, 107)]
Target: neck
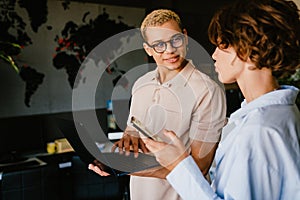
[(257, 84), (166, 74)]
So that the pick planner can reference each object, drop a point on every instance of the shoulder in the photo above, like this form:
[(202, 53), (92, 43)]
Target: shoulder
[(269, 142), (202, 81), (145, 79), (205, 87)]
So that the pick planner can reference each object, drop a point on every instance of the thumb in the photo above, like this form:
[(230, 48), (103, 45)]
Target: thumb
[(172, 136), (149, 144), (146, 140)]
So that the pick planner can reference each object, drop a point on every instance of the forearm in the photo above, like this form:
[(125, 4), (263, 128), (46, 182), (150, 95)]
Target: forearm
[(203, 155), (157, 172)]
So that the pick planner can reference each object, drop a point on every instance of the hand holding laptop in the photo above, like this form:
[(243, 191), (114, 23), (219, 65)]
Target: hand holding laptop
[(96, 167), (109, 163), (131, 140)]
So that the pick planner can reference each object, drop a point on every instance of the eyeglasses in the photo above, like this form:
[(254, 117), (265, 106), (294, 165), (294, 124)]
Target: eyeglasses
[(176, 41)]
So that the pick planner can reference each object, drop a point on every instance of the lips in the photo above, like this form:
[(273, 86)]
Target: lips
[(172, 60), (216, 68)]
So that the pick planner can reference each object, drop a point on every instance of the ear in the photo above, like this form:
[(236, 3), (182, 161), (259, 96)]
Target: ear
[(147, 49), (184, 31), (251, 67), (250, 64)]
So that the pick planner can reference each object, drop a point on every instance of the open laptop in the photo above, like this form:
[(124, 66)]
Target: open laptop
[(89, 152)]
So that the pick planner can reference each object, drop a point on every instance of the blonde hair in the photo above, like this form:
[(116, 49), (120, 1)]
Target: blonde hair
[(157, 18)]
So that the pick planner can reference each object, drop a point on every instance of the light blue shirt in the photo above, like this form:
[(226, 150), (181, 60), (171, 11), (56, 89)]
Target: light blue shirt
[(259, 157)]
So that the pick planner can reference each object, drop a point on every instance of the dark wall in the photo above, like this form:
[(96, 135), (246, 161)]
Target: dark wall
[(25, 135), (195, 14)]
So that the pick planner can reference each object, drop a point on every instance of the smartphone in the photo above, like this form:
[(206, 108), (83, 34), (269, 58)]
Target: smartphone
[(140, 127)]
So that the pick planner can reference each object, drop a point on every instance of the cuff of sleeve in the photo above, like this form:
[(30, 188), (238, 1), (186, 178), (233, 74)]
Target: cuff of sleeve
[(187, 164), (192, 184)]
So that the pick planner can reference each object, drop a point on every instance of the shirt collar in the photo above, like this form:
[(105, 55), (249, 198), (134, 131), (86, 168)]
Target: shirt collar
[(286, 95), (185, 73)]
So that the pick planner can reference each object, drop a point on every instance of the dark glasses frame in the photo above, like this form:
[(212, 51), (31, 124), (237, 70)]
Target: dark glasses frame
[(172, 42)]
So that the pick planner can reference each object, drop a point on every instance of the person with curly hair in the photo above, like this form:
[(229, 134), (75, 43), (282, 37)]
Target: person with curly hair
[(258, 157)]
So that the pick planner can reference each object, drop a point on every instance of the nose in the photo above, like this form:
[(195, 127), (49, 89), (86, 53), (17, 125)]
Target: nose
[(170, 48), (214, 55)]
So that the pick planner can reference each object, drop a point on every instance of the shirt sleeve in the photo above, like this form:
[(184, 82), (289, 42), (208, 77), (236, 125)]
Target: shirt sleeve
[(260, 163), (209, 116), (192, 185)]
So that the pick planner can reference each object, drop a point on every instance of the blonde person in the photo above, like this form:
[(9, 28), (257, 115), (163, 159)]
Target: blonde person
[(259, 155), (175, 96)]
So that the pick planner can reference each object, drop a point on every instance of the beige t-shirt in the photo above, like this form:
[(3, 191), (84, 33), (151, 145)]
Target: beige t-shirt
[(191, 104)]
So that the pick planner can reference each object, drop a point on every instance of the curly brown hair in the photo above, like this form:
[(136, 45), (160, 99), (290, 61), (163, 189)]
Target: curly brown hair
[(159, 17), (266, 31)]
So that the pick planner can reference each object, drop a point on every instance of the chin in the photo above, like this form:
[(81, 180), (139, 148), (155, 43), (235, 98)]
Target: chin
[(224, 81), (171, 66), (220, 78), (228, 82)]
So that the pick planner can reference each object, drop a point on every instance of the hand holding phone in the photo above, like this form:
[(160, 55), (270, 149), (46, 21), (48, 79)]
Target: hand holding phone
[(141, 128)]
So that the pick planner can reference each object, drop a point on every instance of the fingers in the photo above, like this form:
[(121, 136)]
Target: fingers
[(143, 146), (153, 145), (150, 147), (172, 136), (115, 145), (128, 143), (126, 146), (135, 147), (97, 170)]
